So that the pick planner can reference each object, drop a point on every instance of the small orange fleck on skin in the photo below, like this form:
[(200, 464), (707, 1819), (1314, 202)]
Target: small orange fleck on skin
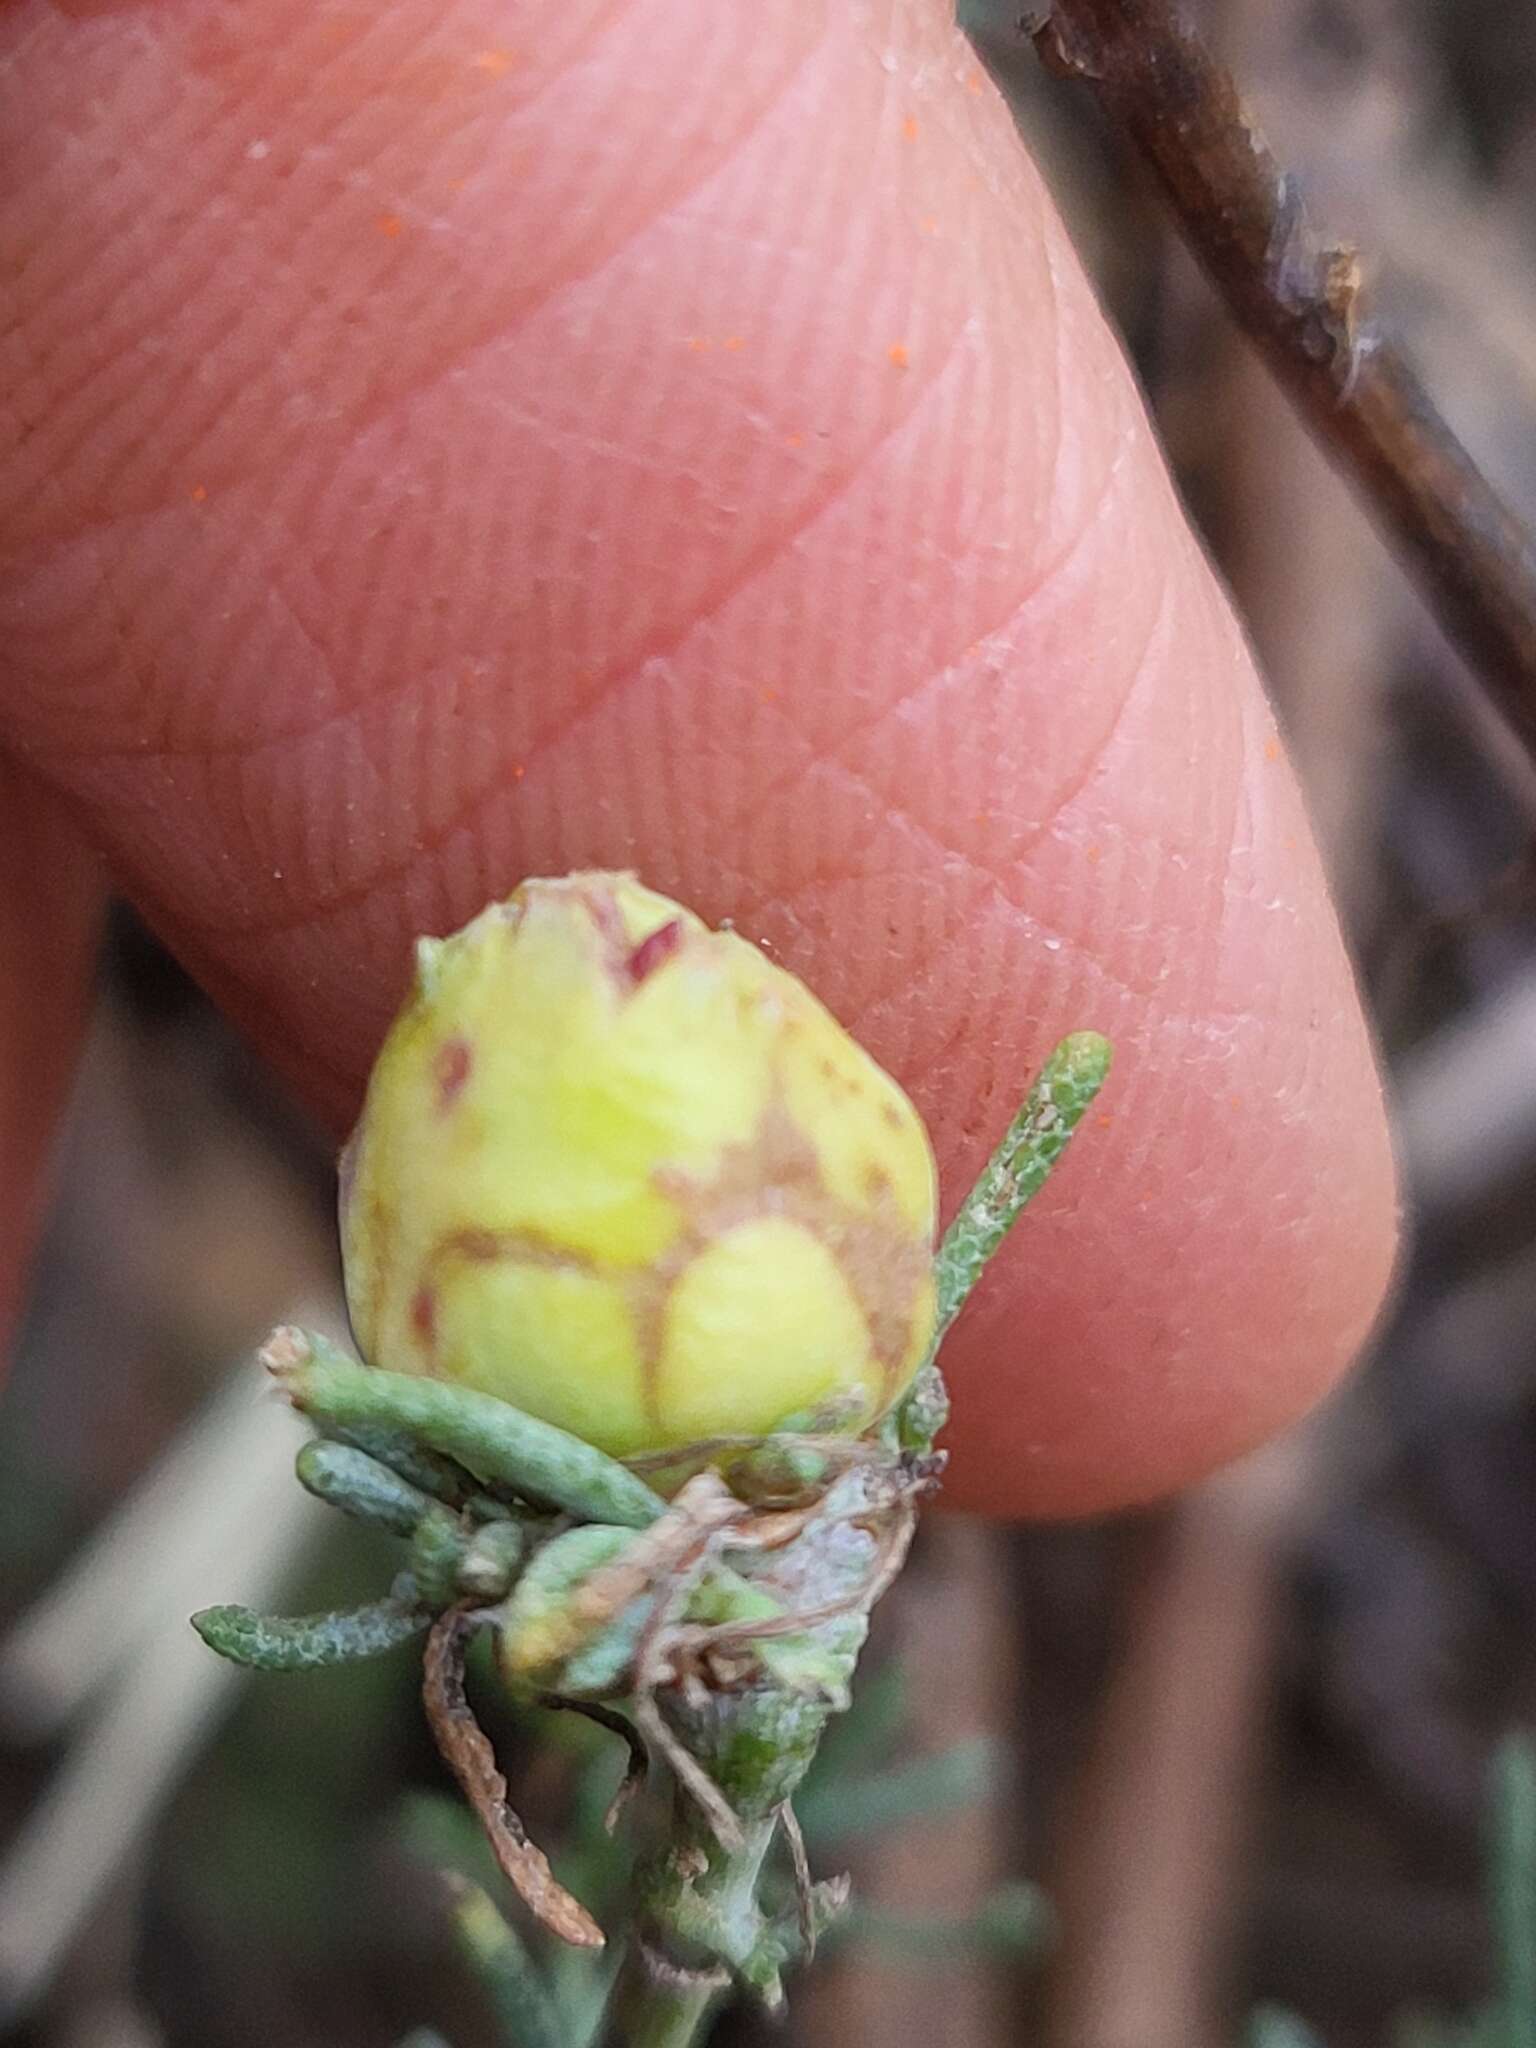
[(699, 343), (1104, 1122), (494, 63), (770, 696), (929, 224), (898, 354), (732, 342), (1272, 748), (518, 771), (458, 184), (909, 128), (975, 82), (1236, 1101), (795, 440), (983, 817), (1093, 853), (198, 493), (389, 225)]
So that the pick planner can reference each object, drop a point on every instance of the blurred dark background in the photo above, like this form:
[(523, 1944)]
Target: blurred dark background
[(1242, 1744)]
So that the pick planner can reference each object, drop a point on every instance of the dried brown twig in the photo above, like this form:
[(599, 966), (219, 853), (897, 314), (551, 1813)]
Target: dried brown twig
[(805, 1900), (637, 1766), (1298, 298), (467, 1750)]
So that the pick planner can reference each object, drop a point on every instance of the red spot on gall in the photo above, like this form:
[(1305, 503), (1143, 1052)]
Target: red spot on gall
[(660, 945), (451, 1070)]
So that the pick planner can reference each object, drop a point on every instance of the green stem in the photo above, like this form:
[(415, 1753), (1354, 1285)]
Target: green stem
[(700, 1911), (668, 2015)]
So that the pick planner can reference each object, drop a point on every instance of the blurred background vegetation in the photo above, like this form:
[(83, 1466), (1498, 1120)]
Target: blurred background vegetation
[(1241, 1744)]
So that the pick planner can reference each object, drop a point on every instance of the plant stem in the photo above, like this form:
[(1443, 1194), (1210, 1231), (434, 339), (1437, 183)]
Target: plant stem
[(668, 2015), (693, 1907)]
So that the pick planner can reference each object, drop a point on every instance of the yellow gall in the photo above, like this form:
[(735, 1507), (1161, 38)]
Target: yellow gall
[(627, 1174)]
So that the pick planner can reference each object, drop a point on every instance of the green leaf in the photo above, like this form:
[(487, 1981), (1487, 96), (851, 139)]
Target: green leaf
[(347, 1478), (867, 1735), (310, 1642), (491, 1438), (1018, 1169), (1273, 2027), (544, 1643), (1513, 1876), (838, 1811), (512, 1980), (1016, 1921)]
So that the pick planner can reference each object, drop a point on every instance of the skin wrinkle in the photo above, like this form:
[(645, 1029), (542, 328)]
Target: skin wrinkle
[(323, 906), (1171, 1029), (60, 748), (1019, 604), (150, 431), (1203, 926), (761, 559), (53, 487), (1097, 747), (149, 748), (123, 230), (442, 361), (832, 746), (765, 558), (1051, 460), (357, 113), (806, 517), (945, 847)]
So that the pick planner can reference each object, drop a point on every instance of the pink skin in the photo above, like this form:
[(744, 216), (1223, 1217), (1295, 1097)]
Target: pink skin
[(462, 442)]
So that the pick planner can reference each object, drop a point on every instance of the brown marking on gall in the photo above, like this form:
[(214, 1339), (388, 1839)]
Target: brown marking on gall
[(522, 1246), (478, 1245), (652, 950), (379, 1231), (451, 1069), (777, 1172), (424, 1315), (892, 1116)]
